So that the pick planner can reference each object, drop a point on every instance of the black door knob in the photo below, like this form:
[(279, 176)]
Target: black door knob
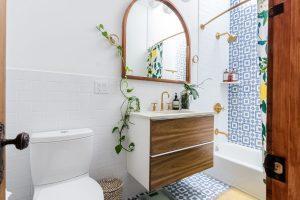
[(21, 141)]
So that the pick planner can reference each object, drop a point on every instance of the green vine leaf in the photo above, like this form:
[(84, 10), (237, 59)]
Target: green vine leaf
[(128, 69), (115, 129), (131, 146), (122, 138), (130, 103), (118, 148), (105, 34), (130, 90), (131, 108)]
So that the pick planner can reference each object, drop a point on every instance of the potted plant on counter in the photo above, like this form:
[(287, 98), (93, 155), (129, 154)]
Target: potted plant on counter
[(190, 92)]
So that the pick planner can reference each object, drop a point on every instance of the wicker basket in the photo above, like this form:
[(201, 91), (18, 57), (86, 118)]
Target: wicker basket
[(112, 188)]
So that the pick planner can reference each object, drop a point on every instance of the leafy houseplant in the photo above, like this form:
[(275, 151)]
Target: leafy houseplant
[(190, 91), (130, 103)]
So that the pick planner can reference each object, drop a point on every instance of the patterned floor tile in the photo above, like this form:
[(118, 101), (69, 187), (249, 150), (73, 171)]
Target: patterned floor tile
[(197, 187)]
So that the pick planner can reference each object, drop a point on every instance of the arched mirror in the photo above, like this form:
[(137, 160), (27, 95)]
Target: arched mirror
[(156, 42)]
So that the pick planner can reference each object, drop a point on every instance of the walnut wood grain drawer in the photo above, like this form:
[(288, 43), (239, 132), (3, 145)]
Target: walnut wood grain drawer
[(170, 135), (170, 168)]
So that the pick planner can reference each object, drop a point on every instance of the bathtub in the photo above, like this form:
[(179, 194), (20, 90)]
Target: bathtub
[(240, 167)]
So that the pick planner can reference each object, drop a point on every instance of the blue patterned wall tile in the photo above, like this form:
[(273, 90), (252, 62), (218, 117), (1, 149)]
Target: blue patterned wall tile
[(244, 115)]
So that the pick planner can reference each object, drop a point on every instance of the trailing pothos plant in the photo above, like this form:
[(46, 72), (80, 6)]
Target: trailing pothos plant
[(130, 103)]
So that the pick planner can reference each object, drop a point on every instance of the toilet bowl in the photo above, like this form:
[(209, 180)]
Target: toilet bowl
[(60, 162)]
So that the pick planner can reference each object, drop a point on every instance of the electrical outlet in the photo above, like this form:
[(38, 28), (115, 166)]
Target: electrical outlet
[(97, 87), (101, 86), (104, 87)]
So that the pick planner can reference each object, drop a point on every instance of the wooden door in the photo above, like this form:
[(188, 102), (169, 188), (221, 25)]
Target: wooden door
[(284, 98), (2, 84)]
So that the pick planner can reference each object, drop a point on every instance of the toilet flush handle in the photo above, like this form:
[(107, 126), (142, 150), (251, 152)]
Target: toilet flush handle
[(21, 141)]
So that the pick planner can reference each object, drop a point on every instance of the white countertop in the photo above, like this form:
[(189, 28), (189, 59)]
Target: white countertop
[(172, 114)]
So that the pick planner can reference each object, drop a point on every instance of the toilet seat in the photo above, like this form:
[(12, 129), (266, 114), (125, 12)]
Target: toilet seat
[(81, 188)]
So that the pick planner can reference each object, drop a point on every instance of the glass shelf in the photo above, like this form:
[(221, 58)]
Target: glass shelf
[(230, 83)]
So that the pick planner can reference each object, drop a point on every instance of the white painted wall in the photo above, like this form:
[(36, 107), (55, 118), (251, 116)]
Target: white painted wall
[(213, 60), (54, 55)]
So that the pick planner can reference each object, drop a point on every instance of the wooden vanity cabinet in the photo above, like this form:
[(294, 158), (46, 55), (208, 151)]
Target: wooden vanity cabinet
[(169, 150)]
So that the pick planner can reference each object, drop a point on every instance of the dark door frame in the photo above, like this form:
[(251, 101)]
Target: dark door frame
[(283, 118)]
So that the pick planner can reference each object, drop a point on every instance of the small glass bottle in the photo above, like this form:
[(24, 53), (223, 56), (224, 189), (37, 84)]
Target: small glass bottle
[(225, 76), (235, 76), (230, 76), (176, 103)]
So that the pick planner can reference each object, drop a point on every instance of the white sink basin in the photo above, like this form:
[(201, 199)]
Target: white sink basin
[(174, 111), (170, 114)]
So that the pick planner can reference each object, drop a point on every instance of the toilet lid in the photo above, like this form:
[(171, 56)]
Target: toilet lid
[(77, 189)]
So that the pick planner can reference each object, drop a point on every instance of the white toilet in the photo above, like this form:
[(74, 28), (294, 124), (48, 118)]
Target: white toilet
[(60, 162)]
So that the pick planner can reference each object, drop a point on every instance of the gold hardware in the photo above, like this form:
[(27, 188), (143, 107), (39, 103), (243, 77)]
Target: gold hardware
[(169, 106), (154, 106), (174, 35), (195, 59), (113, 39), (202, 26), (231, 38), (217, 132), (218, 108), (278, 168), (171, 70), (162, 100)]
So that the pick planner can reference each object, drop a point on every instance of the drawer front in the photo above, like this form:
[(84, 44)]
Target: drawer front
[(174, 134), (170, 168)]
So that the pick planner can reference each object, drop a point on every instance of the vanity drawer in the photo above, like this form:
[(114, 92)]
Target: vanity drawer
[(170, 168), (174, 134)]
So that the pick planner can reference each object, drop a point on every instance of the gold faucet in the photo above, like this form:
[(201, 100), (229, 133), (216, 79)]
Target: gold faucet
[(162, 100)]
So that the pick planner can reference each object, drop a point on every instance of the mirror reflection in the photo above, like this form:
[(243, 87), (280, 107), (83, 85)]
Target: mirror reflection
[(156, 44)]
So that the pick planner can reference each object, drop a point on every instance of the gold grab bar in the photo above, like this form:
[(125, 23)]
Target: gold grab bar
[(217, 132), (202, 26)]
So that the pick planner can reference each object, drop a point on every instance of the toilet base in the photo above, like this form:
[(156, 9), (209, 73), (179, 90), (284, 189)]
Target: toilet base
[(82, 187)]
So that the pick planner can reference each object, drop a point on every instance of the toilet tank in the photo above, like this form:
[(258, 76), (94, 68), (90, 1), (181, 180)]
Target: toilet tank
[(60, 155)]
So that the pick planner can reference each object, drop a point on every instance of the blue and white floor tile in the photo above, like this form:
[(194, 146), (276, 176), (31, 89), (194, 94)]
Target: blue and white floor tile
[(197, 187)]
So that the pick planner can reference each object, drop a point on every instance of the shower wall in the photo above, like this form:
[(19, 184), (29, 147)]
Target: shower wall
[(244, 115)]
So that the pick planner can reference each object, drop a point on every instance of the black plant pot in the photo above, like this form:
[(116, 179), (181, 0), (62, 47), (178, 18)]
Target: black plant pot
[(185, 101)]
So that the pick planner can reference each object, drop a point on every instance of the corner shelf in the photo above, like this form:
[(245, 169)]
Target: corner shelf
[(231, 83)]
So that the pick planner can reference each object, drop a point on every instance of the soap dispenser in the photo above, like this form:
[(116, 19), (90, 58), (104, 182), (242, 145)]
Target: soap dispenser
[(175, 103)]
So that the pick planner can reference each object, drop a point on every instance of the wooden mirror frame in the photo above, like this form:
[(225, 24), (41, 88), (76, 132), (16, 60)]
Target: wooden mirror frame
[(188, 46)]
